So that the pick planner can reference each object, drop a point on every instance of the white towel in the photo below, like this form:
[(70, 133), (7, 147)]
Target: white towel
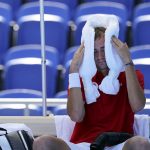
[(64, 127), (142, 125), (110, 84)]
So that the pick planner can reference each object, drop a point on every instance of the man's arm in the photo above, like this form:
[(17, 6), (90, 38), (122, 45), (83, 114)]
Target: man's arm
[(75, 104), (135, 92)]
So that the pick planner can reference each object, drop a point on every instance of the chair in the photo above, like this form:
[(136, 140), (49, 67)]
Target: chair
[(60, 110), (14, 4), (129, 4), (141, 24), (23, 68), (19, 109), (71, 4), (62, 94), (87, 9), (67, 61), (56, 25), (5, 19), (141, 59), (20, 93)]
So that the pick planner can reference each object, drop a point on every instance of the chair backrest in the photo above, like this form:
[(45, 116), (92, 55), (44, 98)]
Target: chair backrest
[(71, 4), (141, 24), (5, 19), (129, 4), (87, 9), (62, 94), (14, 4), (141, 59), (20, 93), (23, 68), (56, 25), (60, 110)]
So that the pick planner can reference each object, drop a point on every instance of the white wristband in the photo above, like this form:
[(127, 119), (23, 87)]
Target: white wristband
[(74, 80)]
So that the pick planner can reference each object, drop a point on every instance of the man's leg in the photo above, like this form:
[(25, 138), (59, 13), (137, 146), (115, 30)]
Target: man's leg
[(49, 143), (137, 143)]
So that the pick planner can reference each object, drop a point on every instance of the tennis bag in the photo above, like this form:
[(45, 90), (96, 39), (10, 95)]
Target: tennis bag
[(109, 139), (15, 140)]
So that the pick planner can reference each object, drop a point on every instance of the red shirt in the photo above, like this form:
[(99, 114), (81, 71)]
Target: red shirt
[(110, 113)]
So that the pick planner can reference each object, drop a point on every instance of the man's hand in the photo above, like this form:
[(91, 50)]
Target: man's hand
[(122, 49), (77, 59)]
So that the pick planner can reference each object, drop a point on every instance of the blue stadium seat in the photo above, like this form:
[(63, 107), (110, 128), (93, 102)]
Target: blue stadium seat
[(141, 59), (14, 4), (23, 68), (5, 19), (67, 61), (20, 93), (19, 109), (86, 9), (60, 110), (71, 4), (62, 94), (141, 24), (129, 4), (56, 25)]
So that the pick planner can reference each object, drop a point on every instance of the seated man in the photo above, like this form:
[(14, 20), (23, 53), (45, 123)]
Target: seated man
[(110, 113)]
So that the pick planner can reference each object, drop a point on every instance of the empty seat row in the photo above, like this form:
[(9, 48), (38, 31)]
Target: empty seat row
[(57, 19)]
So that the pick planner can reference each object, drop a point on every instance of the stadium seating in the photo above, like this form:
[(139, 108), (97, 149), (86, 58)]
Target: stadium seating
[(61, 94), (141, 24), (141, 59), (56, 25), (5, 30), (129, 4), (14, 4), (23, 68), (85, 10), (71, 4)]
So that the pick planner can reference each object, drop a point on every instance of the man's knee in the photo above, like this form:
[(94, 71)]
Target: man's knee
[(137, 143), (43, 142)]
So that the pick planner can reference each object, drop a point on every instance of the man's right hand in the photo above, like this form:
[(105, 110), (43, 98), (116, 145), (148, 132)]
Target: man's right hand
[(77, 59)]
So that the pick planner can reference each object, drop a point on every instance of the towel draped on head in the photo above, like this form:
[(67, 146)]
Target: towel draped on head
[(110, 84)]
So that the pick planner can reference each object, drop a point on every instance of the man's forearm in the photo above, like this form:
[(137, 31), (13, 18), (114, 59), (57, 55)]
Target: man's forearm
[(75, 105), (135, 92)]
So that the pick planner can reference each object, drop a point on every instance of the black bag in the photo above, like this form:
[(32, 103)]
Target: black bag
[(16, 140), (109, 139)]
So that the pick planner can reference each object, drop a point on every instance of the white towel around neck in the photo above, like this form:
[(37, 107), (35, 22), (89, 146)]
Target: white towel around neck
[(110, 84)]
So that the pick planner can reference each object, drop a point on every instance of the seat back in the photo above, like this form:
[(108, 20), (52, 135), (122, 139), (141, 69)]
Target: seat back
[(141, 24), (23, 68), (56, 25), (141, 59), (5, 19), (87, 9)]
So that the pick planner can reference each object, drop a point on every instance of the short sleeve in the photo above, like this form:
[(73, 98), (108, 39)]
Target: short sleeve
[(140, 77)]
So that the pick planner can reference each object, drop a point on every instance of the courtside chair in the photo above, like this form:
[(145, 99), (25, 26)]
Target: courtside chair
[(5, 29), (72, 4), (23, 69), (85, 10), (14, 4), (141, 58), (56, 25), (19, 109), (141, 24)]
